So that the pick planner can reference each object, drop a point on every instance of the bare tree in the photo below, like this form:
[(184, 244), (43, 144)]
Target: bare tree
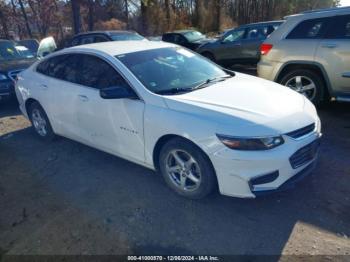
[(29, 31), (76, 16)]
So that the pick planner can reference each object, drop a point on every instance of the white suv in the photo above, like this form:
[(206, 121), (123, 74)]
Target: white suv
[(310, 53)]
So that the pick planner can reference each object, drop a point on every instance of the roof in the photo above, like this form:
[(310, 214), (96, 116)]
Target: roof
[(121, 47), (264, 23), (183, 31), (110, 32), (322, 12)]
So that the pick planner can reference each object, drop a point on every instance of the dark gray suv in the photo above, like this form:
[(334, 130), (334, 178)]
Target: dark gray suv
[(240, 45)]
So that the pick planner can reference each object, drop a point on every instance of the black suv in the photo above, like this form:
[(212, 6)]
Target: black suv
[(12, 61), (104, 36)]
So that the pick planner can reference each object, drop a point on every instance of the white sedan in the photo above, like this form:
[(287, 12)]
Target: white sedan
[(169, 109)]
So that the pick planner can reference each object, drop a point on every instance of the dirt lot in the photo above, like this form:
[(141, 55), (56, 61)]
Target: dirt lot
[(67, 198)]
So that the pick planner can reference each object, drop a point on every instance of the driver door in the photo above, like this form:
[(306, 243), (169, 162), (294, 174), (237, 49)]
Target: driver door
[(112, 125)]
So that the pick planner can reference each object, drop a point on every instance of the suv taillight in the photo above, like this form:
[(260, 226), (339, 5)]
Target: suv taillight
[(265, 48)]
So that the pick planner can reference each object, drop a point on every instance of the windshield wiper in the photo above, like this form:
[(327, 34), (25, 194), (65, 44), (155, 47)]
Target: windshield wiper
[(212, 80), (174, 91)]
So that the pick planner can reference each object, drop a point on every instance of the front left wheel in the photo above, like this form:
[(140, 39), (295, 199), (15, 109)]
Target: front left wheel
[(186, 169)]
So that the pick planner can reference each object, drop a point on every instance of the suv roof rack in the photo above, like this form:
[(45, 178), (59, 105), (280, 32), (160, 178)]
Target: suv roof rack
[(326, 10)]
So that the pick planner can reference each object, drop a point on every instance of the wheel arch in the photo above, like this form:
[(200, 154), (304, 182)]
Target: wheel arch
[(316, 67), (164, 139), (28, 103)]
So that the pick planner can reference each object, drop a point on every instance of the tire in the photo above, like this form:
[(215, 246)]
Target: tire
[(315, 95), (40, 122), (200, 170)]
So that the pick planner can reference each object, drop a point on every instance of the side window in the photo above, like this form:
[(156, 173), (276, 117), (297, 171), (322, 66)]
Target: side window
[(256, 32), (234, 35), (100, 38), (342, 30), (75, 41), (96, 73), (87, 40), (61, 67), (168, 38), (179, 39), (42, 67), (310, 29)]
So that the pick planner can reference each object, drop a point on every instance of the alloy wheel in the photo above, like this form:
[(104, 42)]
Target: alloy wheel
[(303, 85), (183, 170), (39, 122)]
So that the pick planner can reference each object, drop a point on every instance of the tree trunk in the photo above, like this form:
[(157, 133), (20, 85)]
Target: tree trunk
[(126, 13), (4, 24), (76, 16), (91, 15), (25, 18), (144, 19), (167, 12)]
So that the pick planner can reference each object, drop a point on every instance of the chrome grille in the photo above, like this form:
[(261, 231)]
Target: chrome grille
[(302, 131), (12, 74)]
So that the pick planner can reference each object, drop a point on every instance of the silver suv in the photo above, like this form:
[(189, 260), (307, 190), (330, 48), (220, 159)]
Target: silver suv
[(310, 53)]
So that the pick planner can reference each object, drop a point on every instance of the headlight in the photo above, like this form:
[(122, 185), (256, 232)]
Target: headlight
[(3, 77), (251, 144)]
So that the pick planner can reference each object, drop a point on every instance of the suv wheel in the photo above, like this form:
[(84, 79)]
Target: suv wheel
[(307, 83), (40, 122), (186, 169)]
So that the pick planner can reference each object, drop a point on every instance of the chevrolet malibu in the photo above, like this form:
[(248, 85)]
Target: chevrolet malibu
[(169, 109)]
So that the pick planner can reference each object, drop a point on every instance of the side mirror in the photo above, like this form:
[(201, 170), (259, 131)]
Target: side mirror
[(117, 92)]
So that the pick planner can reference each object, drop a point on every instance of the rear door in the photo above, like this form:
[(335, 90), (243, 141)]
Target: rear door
[(112, 125), (334, 54), (58, 92), (231, 46), (302, 42)]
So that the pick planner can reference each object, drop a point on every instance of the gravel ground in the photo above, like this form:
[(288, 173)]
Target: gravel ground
[(67, 198)]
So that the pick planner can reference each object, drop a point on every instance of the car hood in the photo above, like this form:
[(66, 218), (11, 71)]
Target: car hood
[(10, 65), (248, 106)]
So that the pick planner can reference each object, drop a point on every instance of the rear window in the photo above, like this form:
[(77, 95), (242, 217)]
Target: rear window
[(310, 29), (342, 30)]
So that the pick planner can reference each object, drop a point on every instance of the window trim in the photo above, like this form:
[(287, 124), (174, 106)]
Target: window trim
[(86, 52)]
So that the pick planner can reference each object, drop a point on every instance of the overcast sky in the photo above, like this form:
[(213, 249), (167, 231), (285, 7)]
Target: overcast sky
[(345, 2)]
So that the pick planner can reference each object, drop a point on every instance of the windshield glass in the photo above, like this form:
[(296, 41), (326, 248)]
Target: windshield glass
[(194, 36), (9, 51), (126, 37), (165, 69)]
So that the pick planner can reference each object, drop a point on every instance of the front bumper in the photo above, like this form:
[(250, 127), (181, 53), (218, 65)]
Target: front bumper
[(236, 170), (7, 89)]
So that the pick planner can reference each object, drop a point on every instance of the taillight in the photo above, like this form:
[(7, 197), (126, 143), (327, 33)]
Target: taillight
[(265, 48)]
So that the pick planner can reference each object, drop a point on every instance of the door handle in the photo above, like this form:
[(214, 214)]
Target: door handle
[(43, 86), (83, 98), (329, 45)]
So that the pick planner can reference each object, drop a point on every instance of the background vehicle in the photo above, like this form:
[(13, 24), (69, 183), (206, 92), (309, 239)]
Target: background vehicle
[(240, 45), (188, 38), (31, 44), (167, 108), (104, 36), (310, 53), (13, 60)]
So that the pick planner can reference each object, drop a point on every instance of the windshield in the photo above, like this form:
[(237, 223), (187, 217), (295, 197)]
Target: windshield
[(126, 37), (9, 51), (166, 69), (194, 36)]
